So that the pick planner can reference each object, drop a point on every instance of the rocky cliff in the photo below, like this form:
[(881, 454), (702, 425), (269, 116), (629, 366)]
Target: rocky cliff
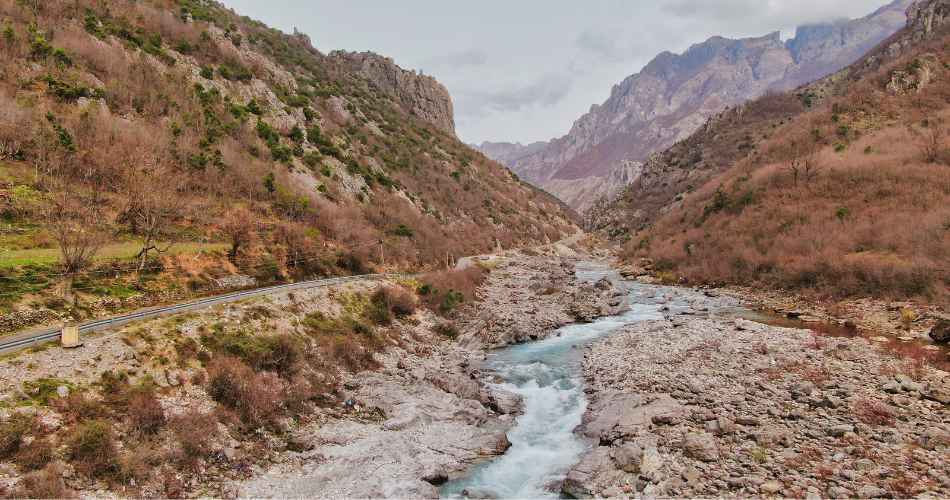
[(419, 95), (676, 93)]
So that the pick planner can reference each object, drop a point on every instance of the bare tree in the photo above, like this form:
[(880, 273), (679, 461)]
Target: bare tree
[(932, 139), (152, 208), (238, 227), (804, 163), (79, 229)]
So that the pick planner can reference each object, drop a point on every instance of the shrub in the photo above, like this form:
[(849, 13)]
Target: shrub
[(12, 432), (447, 329), (280, 353), (255, 397), (354, 353), (145, 412), (47, 483), (873, 412), (36, 455), (91, 448), (444, 291), (78, 407), (398, 300), (195, 432)]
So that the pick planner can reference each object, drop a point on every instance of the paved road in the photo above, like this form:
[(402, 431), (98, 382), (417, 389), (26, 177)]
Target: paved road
[(35, 337)]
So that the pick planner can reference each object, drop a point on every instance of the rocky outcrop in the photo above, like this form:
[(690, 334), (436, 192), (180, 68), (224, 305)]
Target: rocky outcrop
[(419, 95), (676, 93)]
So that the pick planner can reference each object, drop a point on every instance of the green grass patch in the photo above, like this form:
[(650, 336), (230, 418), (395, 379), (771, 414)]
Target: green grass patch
[(115, 251)]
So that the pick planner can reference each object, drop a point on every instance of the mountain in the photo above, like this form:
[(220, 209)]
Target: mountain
[(420, 95), (675, 94), (837, 188), (206, 145)]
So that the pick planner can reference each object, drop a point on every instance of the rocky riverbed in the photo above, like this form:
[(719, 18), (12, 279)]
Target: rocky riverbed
[(702, 404), (428, 415)]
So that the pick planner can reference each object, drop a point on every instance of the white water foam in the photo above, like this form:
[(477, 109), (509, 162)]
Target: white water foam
[(548, 375)]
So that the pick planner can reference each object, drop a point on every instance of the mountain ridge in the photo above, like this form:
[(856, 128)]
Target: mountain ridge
[(673, 95)]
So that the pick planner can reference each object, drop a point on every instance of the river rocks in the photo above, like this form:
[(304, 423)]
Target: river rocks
[(940, 333), (765, 411), (528, 297), (701, 446), (620, 415), (628, 457)]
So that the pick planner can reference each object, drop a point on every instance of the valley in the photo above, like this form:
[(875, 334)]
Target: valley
[(730, 280)]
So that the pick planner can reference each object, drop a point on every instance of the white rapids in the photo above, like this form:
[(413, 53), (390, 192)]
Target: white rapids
[(548, 375)]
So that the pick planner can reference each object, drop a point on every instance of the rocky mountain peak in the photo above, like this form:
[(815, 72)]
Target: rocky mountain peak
[(673, 95), (418, 94)]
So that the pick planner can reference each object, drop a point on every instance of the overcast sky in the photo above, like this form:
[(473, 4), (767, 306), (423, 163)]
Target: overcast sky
[(524, 70)]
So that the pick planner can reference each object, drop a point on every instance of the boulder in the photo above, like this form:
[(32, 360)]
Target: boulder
[(701, 446), (628, 457), (940, 333)]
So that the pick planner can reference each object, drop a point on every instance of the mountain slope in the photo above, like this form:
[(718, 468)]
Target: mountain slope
[(840, 187), (129, 125), (675, 94)]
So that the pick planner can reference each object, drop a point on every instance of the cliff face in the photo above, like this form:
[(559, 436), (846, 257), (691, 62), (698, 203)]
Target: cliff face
[(675, 94), (419, 95)]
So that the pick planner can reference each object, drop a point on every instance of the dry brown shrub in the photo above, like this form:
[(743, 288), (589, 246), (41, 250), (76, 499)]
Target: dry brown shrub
[(146, 415), (47, 483), (396, 299), (873, 412), (350, 352), (444, 290), (92, 449), (196, 433), (35, 455), (257, 397), (138, 464), (78, 407)]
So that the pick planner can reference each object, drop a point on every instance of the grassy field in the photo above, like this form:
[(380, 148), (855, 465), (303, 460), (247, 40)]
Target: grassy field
[(117, 251)]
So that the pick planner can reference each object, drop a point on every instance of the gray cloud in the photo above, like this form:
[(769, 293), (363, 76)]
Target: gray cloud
[(603, 45), (546, 91), (457, 60)]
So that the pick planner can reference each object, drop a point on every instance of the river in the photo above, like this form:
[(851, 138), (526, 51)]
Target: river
[(548, 375)]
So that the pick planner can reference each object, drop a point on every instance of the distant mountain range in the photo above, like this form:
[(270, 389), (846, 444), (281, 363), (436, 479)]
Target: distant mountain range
[(676, 93)]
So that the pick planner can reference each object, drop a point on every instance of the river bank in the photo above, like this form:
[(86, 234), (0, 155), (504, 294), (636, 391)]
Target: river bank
[(703, 403), (418, 413), (441, 414)]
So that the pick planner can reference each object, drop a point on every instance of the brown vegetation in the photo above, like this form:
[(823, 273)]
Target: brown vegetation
[(843, 200), (443, 291), (873, 412), (130, 120)]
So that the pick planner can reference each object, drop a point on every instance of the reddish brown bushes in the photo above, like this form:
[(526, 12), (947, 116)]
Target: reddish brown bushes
[(92, 448), (145, 412), (47, 483), (873, 412), (255, 396), (443, 291), (195, 432)]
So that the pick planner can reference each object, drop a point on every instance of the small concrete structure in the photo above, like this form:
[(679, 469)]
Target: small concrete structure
[(70, 336)]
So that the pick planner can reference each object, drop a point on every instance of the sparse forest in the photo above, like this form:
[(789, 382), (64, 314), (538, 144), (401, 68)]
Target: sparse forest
[(174, 138)]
